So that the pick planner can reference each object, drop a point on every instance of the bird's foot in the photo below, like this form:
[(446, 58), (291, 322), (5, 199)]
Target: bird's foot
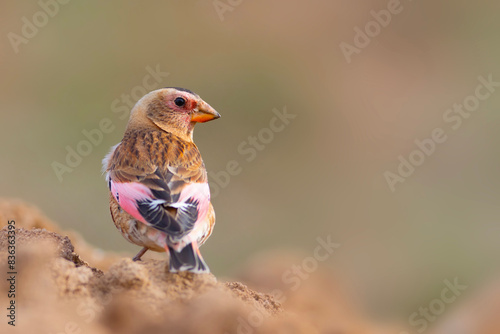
[(140, 254)]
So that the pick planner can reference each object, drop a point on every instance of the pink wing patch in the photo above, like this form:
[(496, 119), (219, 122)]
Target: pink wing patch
[(126, 194), (199, 192)]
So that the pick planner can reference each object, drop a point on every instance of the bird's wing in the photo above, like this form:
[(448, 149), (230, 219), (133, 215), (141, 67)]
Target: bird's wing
[(171, 198)]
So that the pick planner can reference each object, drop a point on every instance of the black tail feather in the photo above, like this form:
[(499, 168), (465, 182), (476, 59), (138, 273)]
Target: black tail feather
[(188, 259)]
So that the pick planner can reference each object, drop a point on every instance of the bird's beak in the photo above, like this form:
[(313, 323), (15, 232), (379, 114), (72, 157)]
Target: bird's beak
[(204, 113)]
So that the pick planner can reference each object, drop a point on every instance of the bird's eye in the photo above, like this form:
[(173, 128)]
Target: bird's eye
[(179, 101)]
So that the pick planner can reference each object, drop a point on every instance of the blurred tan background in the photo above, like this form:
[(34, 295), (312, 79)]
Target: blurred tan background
[(323, 174)]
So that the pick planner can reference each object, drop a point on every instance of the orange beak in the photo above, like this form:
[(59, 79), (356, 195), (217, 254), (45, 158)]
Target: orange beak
[(204, 113)]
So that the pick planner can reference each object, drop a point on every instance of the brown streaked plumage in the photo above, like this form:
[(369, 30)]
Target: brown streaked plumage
[(159, 195)]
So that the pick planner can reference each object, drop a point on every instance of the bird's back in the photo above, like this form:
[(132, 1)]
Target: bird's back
[(143, 152)]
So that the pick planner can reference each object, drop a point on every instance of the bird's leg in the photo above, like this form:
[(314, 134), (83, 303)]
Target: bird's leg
[(140, 254)]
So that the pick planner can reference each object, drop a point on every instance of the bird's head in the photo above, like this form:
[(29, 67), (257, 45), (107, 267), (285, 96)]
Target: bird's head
[(172, 109)]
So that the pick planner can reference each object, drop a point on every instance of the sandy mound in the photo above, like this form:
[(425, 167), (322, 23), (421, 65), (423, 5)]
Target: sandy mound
[(56, 287), (59, 290), (29, 216)]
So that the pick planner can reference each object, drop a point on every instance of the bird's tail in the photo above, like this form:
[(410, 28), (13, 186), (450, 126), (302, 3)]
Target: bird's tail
[(187, 259)]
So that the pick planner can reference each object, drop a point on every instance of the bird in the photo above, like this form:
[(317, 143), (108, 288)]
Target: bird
[(159, 195)]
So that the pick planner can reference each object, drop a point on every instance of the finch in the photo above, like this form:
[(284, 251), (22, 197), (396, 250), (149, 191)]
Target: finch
[(158, 189)]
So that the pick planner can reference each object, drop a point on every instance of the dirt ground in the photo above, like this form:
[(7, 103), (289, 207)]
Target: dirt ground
[(64, 285)]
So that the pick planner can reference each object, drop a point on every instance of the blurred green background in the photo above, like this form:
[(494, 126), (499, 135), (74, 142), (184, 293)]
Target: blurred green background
[(324, 174)]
